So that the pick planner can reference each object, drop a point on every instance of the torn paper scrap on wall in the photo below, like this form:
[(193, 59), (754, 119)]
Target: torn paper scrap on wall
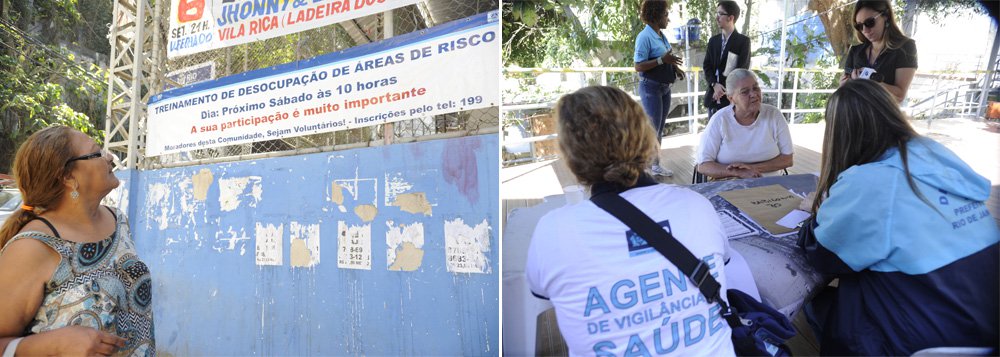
[(413, 203), (202, 181), (304, 240), (269, 244), (466, 247), (337, 196), (232, 191), (354, 246), (366, 212), (405, 246)]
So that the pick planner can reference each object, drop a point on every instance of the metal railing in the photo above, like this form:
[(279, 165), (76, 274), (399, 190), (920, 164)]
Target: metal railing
[(940, 92)]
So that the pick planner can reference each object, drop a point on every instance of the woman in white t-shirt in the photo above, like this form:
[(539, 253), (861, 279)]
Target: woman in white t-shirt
[(613, 293), (746, 139)]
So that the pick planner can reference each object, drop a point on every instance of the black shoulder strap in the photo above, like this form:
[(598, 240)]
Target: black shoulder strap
[(47, 223), (668, 246), (56, 233), (112, 214)]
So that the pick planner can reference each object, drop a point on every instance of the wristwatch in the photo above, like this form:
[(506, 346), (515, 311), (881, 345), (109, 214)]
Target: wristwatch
[(659, 60)]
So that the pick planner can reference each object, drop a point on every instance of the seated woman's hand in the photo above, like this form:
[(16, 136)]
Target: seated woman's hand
[(807, 202), (85, 341), (743, 170)]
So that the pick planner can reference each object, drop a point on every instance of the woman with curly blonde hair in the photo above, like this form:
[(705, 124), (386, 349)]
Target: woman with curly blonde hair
[(594, 270)]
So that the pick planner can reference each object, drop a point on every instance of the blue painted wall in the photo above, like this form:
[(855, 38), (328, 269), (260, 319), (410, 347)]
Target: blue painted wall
[(211, 297)]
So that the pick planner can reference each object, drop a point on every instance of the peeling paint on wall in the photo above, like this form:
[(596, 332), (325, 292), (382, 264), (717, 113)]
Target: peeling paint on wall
[(354, 246), (230, 238), (393, 186), (366, 212), (158, 205), (233, 190), (269, 243), (207, 263), (188, 203), (466, 247), (413, 203), (304, 239), (405, 246), (361, 190), (117, 198), (202, 181)]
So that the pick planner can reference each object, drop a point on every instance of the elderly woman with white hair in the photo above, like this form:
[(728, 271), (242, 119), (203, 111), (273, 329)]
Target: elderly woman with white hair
[(747, 138)]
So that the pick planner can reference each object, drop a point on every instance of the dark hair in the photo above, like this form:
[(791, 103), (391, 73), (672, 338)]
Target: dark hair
[(731, 8), (39, 169), (652, 11), (863, 121), (892, 35), (604, 136)]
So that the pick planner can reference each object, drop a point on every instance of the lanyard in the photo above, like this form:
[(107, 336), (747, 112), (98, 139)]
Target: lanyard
[(875, 62), (722, 54)]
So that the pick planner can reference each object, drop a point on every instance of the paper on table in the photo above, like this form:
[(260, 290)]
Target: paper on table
[(792, 219), (731, 63), (736, 227), (765, 205)]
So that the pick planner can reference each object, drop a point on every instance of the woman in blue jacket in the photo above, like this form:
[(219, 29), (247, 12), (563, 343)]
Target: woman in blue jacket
[(900, 220)]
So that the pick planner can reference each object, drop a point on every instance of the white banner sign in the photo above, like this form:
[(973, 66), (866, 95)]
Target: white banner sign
[(448, 68), (202, 25)]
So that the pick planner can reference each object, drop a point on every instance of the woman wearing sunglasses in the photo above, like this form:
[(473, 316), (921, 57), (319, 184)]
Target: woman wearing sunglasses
[(71, 281), (885, 54)]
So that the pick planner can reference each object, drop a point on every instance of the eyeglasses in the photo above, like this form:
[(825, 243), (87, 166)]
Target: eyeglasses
[(93, 155), (721, 14), (870, 23)]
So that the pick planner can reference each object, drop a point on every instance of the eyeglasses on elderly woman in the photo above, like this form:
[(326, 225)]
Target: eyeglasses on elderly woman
[(103, 153)]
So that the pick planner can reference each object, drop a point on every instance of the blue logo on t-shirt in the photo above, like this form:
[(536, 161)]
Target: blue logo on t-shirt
[(637, 245)]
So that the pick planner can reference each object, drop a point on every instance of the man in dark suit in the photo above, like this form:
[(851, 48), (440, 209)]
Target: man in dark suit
[(728, 46)]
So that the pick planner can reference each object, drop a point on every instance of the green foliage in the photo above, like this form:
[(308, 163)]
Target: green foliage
[(797, 50), (556, 33), (42, 88), (92, 29)]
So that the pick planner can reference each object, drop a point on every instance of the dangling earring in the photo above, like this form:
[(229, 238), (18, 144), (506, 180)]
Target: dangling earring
[(75, 194)]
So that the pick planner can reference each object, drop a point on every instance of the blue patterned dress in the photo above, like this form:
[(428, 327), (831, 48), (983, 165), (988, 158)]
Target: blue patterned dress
[(102, 285)]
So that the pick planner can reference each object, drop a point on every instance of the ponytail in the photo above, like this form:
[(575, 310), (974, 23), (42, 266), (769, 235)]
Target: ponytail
[(40, 166), (14, 224)]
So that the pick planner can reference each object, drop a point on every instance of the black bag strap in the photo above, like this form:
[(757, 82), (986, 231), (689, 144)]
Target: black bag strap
[(668, 246)]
